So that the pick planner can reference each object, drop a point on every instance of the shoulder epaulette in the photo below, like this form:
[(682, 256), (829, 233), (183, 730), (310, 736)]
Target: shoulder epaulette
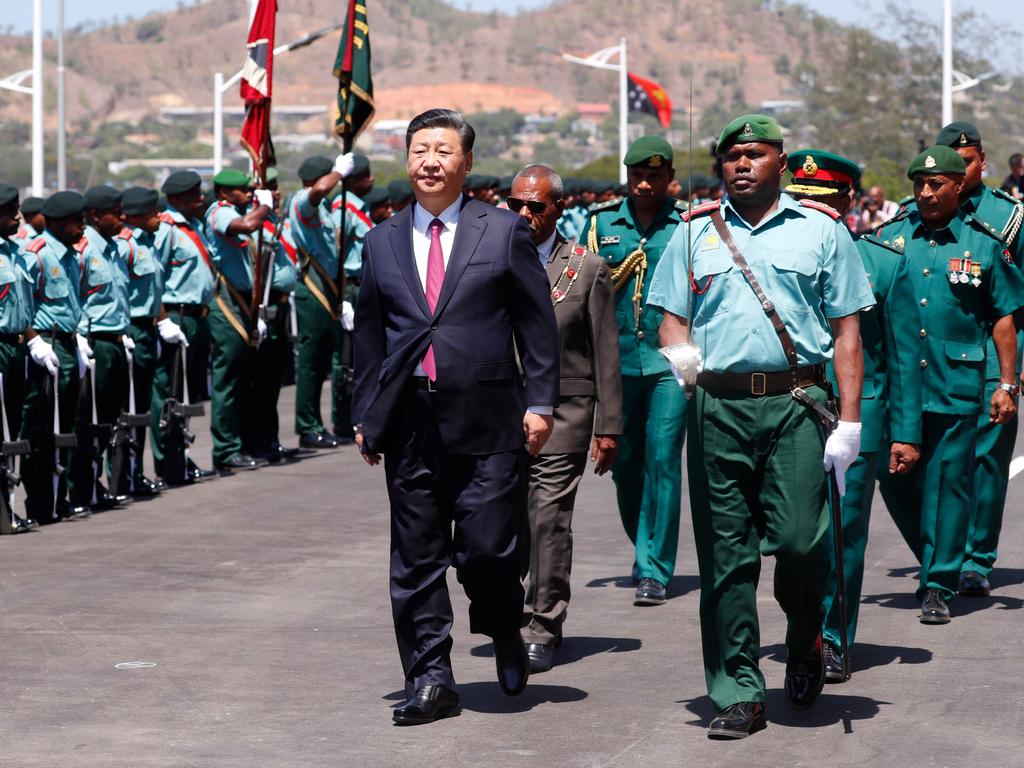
[(166, 218), (905, 201), (125, 234), (701, 210), (36, 245), (1000, 192), (901, 214), (598, 207), (828, 210), (81, 245), (1013, 224), (888, 244), (983, 226)]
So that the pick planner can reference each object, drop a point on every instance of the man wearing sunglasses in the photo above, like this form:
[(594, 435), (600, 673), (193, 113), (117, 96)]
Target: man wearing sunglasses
[(588, 417)]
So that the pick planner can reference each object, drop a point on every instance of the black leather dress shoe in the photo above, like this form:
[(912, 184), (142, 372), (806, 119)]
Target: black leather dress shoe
[(344, 438), (973, 584), (71, 512), (144, 487), (834, 672), (513, 665), (738, 721), (431, 702), (239, 462), (23, 525), (805, 677), (649, 592), (105, 501), (542, 657), (317, 440), (934, 609), (194, 472), (277, 453), (159, 484)]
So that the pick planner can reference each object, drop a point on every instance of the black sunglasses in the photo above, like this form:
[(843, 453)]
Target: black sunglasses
[(536, 207)]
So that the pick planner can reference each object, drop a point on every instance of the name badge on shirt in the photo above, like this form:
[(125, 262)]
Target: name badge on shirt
[(610, 240)]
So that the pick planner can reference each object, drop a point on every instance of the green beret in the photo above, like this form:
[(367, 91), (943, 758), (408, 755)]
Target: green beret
[(649, 151), (360, 165), (30, 206), (476, 181), (230, 177), (62, 205), (748, 129), (180, 182), (937, 160), (399, 190), (376, 196), (8, 194), (818, 173), (959, 134), (136, 200), (315, 167), (102, 198), (271, 175)]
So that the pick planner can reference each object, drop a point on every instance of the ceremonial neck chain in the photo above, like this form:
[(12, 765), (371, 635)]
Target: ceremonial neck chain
[(570, 273)]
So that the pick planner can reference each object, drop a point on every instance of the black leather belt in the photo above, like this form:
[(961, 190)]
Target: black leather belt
[(278, 297), (114, 338), (145, 323), (760, 384), (62, 335), (424, 383), (194, 310), (12, 338)]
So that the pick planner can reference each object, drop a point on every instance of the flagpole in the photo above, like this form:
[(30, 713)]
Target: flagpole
[(947, 62), (623, 109), (38, 181), (62, 160)]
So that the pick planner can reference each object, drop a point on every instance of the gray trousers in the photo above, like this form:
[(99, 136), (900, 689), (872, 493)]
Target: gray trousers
[(554, 480)]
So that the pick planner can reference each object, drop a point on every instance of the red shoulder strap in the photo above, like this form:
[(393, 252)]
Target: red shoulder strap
[(125, 234), (701, 210), (81, 245), (166, 218), (362, 216), (36, 245), (826, 209)]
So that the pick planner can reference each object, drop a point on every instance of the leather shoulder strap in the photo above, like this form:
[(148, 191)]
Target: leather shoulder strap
[(766, 304)]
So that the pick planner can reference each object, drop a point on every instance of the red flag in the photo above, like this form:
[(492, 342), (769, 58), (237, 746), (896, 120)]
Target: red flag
[(257, 75), (647, 96)]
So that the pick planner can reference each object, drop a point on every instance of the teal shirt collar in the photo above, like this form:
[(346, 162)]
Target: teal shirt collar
[(948, 234)]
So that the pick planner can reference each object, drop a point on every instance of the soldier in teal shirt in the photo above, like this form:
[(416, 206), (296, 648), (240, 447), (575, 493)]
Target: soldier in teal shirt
[(967, 286), (314, 232), (756, 452), (630, 236), (51, 262), (32, 221), (188, 288), (890, 396), (234, 320)]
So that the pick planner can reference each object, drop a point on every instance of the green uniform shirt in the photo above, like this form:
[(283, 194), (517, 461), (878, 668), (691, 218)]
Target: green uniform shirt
[(15, 289), (313, 231), (142, 262), (612, 232), (103, 286), (963, 281), (187, 277), (230, 253), (806, 263), (53, 270)]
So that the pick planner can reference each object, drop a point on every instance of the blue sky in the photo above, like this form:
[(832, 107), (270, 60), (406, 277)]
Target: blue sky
[(19, 12)]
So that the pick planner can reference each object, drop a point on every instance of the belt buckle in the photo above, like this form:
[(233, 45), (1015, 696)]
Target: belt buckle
[(431, 385), (755, 379)]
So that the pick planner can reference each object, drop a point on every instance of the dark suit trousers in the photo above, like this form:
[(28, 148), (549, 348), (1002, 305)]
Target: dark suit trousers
[(449, 509), (554, 480)]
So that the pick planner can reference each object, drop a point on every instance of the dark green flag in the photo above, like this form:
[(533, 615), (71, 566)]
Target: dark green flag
[(352, 68)]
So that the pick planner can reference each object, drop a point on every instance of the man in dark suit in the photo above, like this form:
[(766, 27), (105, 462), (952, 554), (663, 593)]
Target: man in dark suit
[(590, 403), (451, 290)]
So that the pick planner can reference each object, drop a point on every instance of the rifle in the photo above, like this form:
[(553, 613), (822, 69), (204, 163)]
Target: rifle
[(61, 440), (174, 418), (9, 522), (87, 468), (123, 444)]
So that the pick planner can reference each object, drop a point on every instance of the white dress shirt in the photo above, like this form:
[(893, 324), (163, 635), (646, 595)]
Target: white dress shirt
[(449, 217)]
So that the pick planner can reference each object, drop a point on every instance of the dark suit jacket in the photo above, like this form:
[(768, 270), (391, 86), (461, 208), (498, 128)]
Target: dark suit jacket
[(590, 387), (494, 290)]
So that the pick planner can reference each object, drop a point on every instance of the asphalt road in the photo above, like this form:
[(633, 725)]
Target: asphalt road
[(252, 614)]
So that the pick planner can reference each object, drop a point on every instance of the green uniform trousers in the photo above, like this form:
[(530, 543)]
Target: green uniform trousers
[(319, 340), (756, 488), (648, 470), (231, 372), (12, 368), (144, 365), (38, 469), (197, 332), (111, 374), (992, 455), (260, 428), (931, 504), (856, 505)]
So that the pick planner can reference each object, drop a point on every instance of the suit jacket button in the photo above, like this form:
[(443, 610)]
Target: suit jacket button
[(433, 327)]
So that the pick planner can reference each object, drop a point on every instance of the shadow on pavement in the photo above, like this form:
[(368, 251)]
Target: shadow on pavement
[(1006, 577), (904, 600), (964, 606), (677, 587), (865, 655), (576, 648), (828, 710), (910, 570), (487, 697)]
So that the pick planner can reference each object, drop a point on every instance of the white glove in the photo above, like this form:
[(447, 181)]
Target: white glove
[(344, 164), (128, 342), (348, 316), (261, 330), (43, 354), (85, 358), (841, 450), (264, 197), (171, 332), (686, 362)]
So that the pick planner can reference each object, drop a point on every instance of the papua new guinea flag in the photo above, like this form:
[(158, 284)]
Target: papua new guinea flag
[(647, 96)]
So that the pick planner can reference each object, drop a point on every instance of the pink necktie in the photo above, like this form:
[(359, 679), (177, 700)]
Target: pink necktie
[(435, 276)]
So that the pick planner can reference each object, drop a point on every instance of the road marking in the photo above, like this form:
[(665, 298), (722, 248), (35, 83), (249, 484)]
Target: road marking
[(1016, 466), (135, 665)]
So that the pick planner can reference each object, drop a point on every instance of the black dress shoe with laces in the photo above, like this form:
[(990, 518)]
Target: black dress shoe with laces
[(738, 721), (195, 473), (277, 453), (317, 440), (805, 677), (542, 657), (649, 592), (934, 609), (239, 462), (834, 672), (974, 584), (144, 487), (23, 525), (512, 663), (70, 512), (431, 702)]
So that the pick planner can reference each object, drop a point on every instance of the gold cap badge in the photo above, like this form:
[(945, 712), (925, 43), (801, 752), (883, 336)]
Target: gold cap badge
[(929, 162), (810, 167), (654, 161), (963, 139), (748, 129)]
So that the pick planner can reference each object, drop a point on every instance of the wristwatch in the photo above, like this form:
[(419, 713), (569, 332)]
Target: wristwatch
[(1012, 389)]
